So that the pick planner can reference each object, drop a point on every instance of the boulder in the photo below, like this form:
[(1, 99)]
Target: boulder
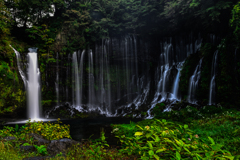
[(27, 148), (61, 145), (9, 138), (39, 140)]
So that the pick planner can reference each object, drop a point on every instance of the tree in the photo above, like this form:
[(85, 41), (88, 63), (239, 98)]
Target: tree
[(27, 13), (41, 35), (235, 21)]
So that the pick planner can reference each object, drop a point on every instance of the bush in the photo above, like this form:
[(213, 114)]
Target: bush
[(49, 131), (164, 139)]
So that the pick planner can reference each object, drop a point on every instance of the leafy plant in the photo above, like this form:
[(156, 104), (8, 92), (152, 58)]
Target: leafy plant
[(235, 20), (26, 144), (48, 130), (42, 149), (164, 140)]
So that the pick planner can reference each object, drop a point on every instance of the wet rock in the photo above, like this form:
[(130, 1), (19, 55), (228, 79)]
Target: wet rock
[(27, 148), (62, 111), (9, 138), (61, 145), (39, 140)]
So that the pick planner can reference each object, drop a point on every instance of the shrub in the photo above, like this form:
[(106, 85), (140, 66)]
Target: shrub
[(48, 130), (42, 149), (164, 139)]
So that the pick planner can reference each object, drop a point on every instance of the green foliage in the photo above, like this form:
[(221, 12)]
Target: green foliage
[(30, 12), (26, 144), (159, 107), (185, 12), (46, 103), (235, 20), (41, 35), (48, 130), (7, 152), (42, 149), (166, 140), (11, 96)]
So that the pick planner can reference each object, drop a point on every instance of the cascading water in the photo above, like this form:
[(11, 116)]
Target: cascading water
[(91, 93), (76, 82), (164, 70), (57, 82), (194, 79), (176, 82), (19, 64), (32, 83), (166, 66), (212, 89), (117, 74), (33, 87)]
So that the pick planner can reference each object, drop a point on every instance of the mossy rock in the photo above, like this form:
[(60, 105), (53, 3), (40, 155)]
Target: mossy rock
[(159, 107)]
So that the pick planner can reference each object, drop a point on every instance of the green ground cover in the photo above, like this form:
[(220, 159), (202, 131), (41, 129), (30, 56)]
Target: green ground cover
[(208, 136)]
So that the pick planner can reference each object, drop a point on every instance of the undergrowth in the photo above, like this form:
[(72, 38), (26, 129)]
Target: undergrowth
[(209, 136)]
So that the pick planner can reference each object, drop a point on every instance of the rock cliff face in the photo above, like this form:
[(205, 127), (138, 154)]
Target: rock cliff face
[(131, 73), (119, 73)]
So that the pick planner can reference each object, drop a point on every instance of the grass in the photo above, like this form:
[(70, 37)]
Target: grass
[(145, 139)]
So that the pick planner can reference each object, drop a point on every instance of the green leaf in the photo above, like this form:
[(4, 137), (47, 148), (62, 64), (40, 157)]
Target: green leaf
[(150, 144), (157, 138), (186, 149), (138, 134), (161, 150), (212, 141), (217, 147), (185, 126), (148, 135), (209, 154), (156, 156), (229, 157), (178, 156), (151, 153)]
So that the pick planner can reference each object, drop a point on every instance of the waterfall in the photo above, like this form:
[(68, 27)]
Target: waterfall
[(57, 82), (33, 89), (32, 83), (77, 79), (163, 71), (212, 89), (176, 82), (194, 79), (19, 64), (91, 94), (76, 82), (67, 75), (108, 78)]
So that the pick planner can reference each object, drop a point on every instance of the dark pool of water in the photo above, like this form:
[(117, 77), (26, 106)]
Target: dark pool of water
[(91, 127)]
